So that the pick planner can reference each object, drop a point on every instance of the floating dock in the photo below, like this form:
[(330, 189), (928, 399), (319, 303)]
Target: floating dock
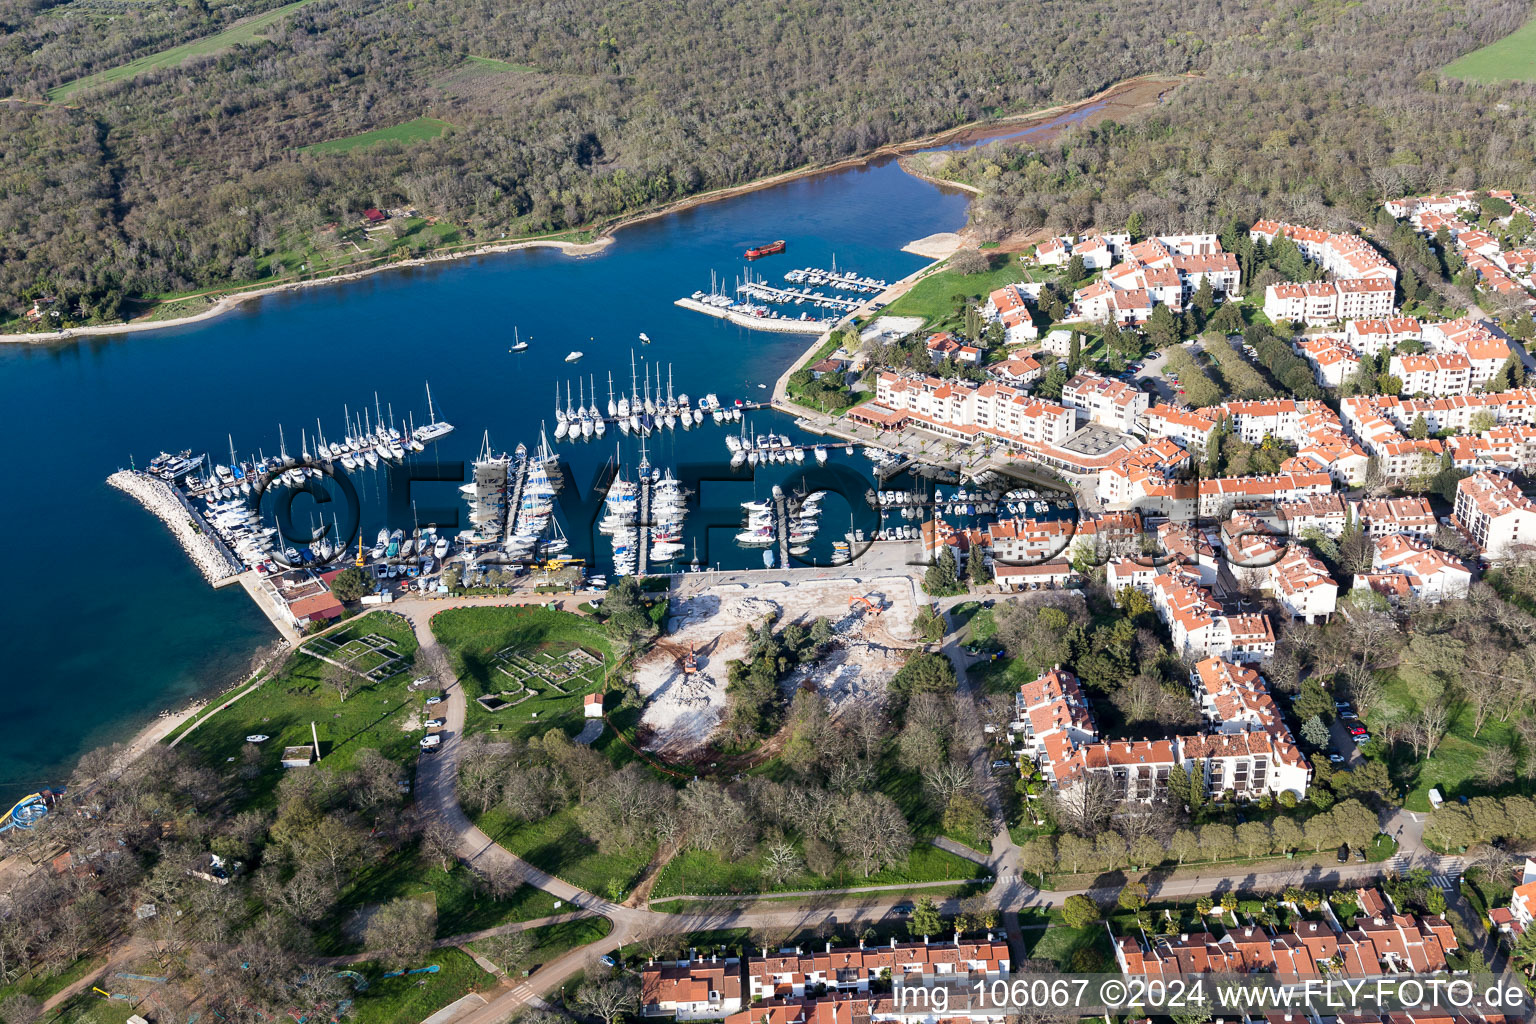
[(785, 296)]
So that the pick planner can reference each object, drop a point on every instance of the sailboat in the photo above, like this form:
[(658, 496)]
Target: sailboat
[(612, 409), (518, 344), (645, 338), (598, 426)]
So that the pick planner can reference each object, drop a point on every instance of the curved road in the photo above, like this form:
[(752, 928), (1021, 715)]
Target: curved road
[(436, 793)]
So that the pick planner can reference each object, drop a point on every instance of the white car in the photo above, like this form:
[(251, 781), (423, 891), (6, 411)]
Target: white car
[(434, 700), (437, 723)]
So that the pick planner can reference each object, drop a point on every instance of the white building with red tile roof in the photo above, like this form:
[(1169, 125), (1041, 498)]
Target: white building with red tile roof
[(694, 989), (793, 974), (967, 411), (1107, 401), (1201, 628), (1018, 371), (1219, 495), (1516, 918), (1051, 714), (1382, 517), (1333, 360), (1326, 513), (1402, 565), (944, 346), (1302, 585), (1382, 334), (1345, 256), (1433, 373), (1493, 514)]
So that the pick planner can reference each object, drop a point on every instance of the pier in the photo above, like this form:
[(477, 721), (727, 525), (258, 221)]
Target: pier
[(768, 293), (781, 523), (742, 318), (515, 507), (643, 528)]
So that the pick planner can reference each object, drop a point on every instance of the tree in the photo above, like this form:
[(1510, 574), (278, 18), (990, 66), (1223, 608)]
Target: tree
[(339, 679), (1205, 297), (20, 1008), (976, 568), (1496, 767), (608, 999), (970, 261), (943, 576), (1074, 352), (509, 951), (349, 585), (1313, 702), (1133, 897), (401, 931), (925, 918), (1315, 731), (1076, 271), (872, 832), (1079, 911), (924, 673)]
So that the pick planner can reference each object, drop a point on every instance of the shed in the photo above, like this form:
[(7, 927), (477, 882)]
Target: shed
[(316, 608), (593, 705), (374, 215), (298, 757)]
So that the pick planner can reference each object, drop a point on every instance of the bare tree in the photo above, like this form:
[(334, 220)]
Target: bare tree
[(439, 842), (947, 779), (509, 951), (339, 679), (872, 832), (1434, 718), (1496, 766), (608, 999), (1084, 806), (401, 931), (781, 862)]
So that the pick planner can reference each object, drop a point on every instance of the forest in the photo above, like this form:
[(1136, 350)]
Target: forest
[(567, 115), (1274, 128)]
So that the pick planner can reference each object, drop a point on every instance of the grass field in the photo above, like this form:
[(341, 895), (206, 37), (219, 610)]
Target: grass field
[(1453, 766), (1511, 59), (286, 703), (418, 130), (491, 64), (558, 845), (475, 637), (700, 873), (932, 297), (240, 32), (407, 1000)]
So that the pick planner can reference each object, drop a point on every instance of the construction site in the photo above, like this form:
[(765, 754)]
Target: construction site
[(684, 676)]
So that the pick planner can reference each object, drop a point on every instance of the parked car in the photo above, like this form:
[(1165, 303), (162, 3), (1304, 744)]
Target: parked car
[(1357, 730), (997, 765), (1349, 716), (1336, 758), (903, 909), (436, 723), (607, 960), (1363, 738), (434, 700), (1341, 704)]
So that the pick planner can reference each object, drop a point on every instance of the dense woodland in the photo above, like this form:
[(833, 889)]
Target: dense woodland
[(1317, 118), (189, 177)]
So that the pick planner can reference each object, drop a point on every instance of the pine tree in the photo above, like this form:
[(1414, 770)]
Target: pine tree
[(1205, 297), (1076, 271), (1075, 353), (976, 569)]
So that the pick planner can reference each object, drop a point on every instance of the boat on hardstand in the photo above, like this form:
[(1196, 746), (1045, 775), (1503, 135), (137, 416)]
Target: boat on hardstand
[(769, 249)]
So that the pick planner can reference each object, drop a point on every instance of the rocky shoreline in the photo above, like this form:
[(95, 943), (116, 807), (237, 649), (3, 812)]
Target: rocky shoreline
[(215, 563)]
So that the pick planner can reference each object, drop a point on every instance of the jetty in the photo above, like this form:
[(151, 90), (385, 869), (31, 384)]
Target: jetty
[(515, 506), (742, 318), (643, 528), (216, 562), (768, 293), (781, 523)]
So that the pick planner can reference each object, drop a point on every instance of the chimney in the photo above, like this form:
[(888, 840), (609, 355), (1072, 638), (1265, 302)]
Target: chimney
[(861, 942), (829, 946), (925, 940), (957, 936)]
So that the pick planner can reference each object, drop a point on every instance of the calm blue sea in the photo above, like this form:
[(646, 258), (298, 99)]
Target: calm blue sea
[(107, 622)]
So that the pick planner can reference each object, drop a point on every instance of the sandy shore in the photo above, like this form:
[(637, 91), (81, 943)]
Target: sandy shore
[(1120, 98), (235, 300)]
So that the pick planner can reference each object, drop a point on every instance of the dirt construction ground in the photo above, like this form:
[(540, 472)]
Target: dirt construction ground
[(682, 710)]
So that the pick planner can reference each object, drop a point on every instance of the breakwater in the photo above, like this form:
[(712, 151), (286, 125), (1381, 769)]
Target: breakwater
[(210, 556)]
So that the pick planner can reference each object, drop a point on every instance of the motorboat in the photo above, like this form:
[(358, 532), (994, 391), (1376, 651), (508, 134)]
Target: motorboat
[(573, 357)]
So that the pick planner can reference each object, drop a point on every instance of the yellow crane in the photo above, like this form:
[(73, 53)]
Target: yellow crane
[(359, 562)]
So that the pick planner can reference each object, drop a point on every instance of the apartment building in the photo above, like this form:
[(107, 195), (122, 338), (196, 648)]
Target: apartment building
[(1433, 373), (1322, 302), (1403, 566), (1493, 514), (846, 970), (964, 410), (1302, 585), (1108, 402), (1345, 256), (1381, 517), (1201, 628)]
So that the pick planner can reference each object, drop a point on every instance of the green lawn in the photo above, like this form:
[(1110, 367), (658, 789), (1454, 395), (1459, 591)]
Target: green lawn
[(931, 297), (553, 940), (286, 704), (407, 1000), (244, 31), (1058, 944), (700, 873), (558, 845), (461, 905), (476, 637), (1453, 766), (491, 64), (1512, 58), (418, 130)]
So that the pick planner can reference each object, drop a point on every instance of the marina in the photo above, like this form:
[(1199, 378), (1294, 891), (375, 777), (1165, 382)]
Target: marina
[(447, 322)]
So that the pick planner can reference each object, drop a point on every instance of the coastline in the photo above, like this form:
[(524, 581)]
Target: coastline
[(604, 235)]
